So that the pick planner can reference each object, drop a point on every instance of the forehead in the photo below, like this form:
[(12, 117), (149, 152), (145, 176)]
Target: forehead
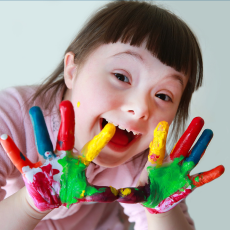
[(139, 56)]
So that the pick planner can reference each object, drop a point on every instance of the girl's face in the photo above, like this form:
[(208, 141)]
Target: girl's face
[(126, 86)]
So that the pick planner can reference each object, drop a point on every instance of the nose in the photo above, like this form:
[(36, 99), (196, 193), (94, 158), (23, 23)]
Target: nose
[(137, 108)]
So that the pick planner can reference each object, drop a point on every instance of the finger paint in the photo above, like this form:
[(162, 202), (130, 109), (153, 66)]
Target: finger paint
[(167, 180), (93, 147), (73, 181), (44, 189), (200, 146), (170, 202), (136, 195), (18, 159), (42, 138), (113, 190), (125, 192), (65, 140), (187, 139), (78, 104), (206, 177), (158, 145)]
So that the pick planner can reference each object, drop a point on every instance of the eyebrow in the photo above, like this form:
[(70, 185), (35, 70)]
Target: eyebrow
[(131, 53), (178, 78), (139, 57)]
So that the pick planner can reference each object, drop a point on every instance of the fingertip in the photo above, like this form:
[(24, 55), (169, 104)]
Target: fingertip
[(66, 104), (198, 121), (4, 137), (34, 110)]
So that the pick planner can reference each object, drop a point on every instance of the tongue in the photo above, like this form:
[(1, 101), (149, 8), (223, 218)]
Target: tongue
[(120, 137)]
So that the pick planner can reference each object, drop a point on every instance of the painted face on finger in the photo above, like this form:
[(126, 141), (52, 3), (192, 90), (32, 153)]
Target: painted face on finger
[(126, 86)]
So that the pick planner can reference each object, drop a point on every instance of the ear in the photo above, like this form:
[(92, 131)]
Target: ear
[(69, 69)]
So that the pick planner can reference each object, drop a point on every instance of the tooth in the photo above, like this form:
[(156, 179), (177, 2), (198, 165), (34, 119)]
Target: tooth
[(127, 130), (113, 123), (135, 133), (121, 127)]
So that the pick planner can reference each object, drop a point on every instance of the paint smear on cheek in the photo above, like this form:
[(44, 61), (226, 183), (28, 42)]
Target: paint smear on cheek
[(167, 180), (78, 104)]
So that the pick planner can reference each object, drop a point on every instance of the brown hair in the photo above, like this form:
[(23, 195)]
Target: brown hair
[(168, 38)]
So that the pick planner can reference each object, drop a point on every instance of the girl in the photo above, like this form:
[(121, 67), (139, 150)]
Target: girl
[(134, 65)]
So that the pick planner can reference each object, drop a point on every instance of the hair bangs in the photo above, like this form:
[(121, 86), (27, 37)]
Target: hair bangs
[(162, 32)]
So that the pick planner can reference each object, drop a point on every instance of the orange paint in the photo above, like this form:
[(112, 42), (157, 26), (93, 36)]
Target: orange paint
[(208, 176), (17, 158)]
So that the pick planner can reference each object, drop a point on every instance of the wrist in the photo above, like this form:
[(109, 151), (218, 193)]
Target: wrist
[(28, 206)]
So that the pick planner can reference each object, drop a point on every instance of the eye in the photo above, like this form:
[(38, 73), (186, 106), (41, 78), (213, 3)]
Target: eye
[(122, 77), (163, 97)]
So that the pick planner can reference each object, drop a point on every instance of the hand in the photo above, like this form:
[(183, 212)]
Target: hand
[(61, 179), (169, 183)]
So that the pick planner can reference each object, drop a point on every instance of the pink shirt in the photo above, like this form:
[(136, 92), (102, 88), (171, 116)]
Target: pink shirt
[(15, 121)]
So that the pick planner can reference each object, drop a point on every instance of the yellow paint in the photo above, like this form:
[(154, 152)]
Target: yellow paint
[(158, 146), (82, 194), (125, 191), (78, 104), (113, 190), (93, 147)]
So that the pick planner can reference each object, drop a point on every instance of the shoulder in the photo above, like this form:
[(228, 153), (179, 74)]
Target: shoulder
[(16, 96)]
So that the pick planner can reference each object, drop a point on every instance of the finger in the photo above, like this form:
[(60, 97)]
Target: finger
[(65, 140), (42, 138), (17, 158), (93, 147), (187, 139), (158, 145), (102, 194), (198, 150), (206, 177)]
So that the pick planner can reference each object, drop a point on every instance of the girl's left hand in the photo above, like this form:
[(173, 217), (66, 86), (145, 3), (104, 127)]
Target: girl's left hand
[(169, 183)]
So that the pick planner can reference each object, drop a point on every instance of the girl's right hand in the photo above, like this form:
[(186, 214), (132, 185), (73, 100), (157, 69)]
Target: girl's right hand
[(61, 180)]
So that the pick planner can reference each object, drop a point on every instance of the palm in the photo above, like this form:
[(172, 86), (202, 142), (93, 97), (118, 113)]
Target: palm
[(61, 178), (170, 182)]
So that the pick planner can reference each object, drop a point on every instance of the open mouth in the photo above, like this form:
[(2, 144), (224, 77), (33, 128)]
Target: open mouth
[(121, 138)]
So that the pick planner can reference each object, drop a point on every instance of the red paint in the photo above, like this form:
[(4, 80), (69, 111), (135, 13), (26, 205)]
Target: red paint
[(208, 176), (170, 202), (41, 189), (105, 197), (65, 140), (186, 141)]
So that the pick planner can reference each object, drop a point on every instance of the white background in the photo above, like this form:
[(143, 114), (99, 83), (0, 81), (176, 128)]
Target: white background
[(34, 36)]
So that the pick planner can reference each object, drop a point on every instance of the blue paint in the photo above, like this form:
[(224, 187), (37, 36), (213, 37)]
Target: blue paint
[(200, 146), (60, 143), (41, 134), (22, 156)]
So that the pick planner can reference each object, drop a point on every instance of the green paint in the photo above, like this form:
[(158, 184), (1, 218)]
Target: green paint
[(73, 180), (168, 179), (196, 179)]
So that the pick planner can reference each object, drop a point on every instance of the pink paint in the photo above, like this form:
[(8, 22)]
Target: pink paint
[(154, 157), (42, 189), (170, 202)]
